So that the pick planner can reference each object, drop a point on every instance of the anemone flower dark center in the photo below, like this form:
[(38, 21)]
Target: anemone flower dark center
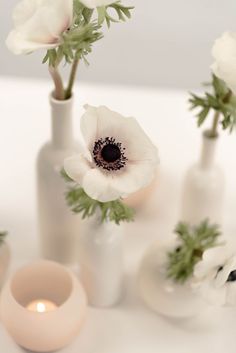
[(232, 276), (110, 153)]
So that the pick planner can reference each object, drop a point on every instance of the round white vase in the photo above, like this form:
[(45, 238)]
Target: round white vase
[(5, 256), (203, 190), (101, 261), (58, 226), (163, 295)]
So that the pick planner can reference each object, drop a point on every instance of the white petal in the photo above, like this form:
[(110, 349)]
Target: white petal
[(223, 275), (99, 186), (138, 144), (23, 11), (212, 260), (88, 125), (216, 296), (76, 167), (134, 178), (231, 293), (92, 4), (102, 122), (224, 53)]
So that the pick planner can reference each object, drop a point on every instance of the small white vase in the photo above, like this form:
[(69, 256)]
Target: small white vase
[(163, 295), (4, 261), (58, 226), (101, 261), (203, 190)]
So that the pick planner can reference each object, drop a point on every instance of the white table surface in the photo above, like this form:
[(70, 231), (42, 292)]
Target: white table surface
[(130, 327)]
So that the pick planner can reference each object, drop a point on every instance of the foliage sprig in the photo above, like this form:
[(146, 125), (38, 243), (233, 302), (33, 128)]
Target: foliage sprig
[(220, 100), (2, 237), (80, 203), (76, 44), (122, 12), (193, 241)]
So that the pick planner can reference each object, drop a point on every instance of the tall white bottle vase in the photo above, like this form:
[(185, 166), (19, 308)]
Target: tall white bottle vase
[(101, 261), (58, 226), (203, 190)]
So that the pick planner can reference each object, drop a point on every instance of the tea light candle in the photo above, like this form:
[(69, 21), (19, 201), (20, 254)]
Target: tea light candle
[(43, 306)]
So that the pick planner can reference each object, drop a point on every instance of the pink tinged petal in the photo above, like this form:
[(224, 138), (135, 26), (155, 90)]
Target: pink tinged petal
[(59, 15), (76, 167), (99, 186), (18, 45), (39, 25)]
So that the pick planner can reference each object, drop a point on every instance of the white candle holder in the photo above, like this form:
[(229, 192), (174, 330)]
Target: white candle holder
[(56, 319)]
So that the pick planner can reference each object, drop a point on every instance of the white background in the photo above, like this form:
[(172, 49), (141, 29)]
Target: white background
[(167, 43)]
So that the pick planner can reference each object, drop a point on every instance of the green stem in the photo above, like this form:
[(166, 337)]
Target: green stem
[(214, 128), (59, 92), (73, 72)]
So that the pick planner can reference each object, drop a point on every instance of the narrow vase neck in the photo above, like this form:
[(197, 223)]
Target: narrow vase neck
[(208, 151), (62, 123)]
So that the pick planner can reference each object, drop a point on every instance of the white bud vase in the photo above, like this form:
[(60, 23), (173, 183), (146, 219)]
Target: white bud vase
[(203, 190), (58, 226), (163, 295), (101, 261)]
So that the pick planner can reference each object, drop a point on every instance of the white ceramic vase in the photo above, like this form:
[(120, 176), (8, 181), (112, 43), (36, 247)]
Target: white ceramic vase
[(58, 226), (162, 295), (203, 190), (101, 261), (4, 261)]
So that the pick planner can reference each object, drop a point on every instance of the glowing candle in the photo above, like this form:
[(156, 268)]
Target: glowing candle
[(41, 306)]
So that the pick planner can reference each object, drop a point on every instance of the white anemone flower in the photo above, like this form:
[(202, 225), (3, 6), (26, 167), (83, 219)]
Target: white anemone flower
[(92, 4), (215, 275), (39, 24), (224, 53), (119, 159)]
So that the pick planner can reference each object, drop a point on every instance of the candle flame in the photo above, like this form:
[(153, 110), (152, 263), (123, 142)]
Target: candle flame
[(41, 308)]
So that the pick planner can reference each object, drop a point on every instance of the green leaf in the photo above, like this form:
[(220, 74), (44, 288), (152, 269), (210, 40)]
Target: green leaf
[(101, 14), (192, 242), (80, 203), (220, 100), (202, 115), (219, 86), (113, 211), (87, 14), (122, 13)]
